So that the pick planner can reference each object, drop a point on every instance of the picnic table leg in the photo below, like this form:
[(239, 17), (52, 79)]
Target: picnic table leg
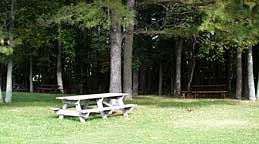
[(63, 107), (121, 103), (100, 107), (78, 108)]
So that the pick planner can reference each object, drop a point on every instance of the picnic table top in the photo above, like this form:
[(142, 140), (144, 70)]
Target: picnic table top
[(92, 96)]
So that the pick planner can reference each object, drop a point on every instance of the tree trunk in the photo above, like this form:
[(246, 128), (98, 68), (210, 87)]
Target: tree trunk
[(127, 68), (8, 96), (251, 87), (9, 88), (142, 79), (160, 85), (257, 90), (191, 76), (172, 87), (82, 81), (178, 66), (115, 75), (150, 79), (229, 71), (239, 74), (59, 68), (81, 91), (245, 77), (30, 76), (1, 95), (135, 82)]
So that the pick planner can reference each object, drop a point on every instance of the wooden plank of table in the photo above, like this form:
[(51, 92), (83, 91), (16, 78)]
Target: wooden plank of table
[(65, 112), (92, 96), (215, 85), (95, 110)]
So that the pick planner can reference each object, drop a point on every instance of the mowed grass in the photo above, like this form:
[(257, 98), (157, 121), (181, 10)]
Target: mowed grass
[(156, 120)]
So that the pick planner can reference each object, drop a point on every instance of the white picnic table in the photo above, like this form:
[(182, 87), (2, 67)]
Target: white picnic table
[(83, 105)]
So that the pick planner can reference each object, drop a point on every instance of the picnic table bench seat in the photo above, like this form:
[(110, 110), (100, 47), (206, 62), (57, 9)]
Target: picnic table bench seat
[(86, 112), (127, 107), (82, 113), (47, 88), (207, 90), (20, 87), (65, 112)]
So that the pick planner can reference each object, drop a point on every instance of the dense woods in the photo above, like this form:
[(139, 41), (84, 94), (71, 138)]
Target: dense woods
[(134, 46)]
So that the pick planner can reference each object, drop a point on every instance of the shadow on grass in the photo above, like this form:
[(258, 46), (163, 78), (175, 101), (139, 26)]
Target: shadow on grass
[(93, 117), (66, 118), (168, 102), (21, 99), (31, 97)]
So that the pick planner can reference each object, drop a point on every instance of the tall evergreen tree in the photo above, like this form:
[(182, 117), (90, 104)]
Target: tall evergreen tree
[(179, 49), (115, 75), (1, 96), (127, 66), (238, 94), (251, 86), (59, 64), (9, 86)]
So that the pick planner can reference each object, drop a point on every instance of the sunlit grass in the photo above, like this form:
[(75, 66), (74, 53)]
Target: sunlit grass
[(155, 120)]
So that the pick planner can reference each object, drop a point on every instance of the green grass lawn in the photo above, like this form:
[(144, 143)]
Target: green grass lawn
[(156, 120)]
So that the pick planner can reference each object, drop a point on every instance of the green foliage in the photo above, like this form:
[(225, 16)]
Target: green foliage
[(82, 14), (182, 20), (136, 63), (234, 21), (123, 14), (6, 50), (211, 51), (67, 37), (181, 32), (251, 3)]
